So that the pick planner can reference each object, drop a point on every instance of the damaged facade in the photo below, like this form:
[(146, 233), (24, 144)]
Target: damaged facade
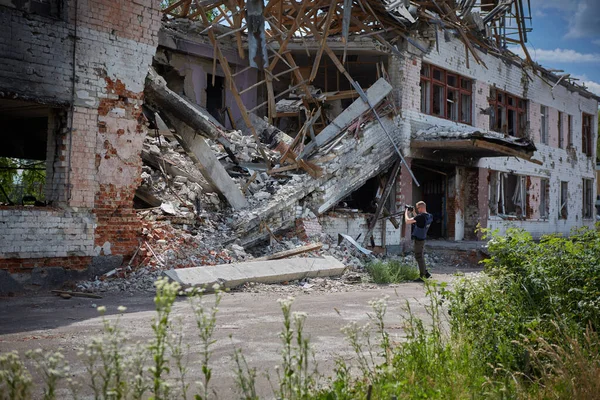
[(71, 85), (318, 116)]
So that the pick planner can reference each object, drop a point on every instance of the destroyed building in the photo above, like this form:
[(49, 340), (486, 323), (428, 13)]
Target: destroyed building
[(318, 116)]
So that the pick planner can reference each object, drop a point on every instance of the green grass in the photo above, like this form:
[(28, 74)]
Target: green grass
[(391, 271)]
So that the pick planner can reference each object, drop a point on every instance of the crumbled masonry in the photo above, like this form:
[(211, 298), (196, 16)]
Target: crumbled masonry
[(145, 136)]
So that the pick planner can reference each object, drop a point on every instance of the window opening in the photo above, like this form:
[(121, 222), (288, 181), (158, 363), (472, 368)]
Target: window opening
[(508, 113), (544, 198), (563, 212), (445, 95), (508, 195), (586, 135), (588, 195), (544, 124)]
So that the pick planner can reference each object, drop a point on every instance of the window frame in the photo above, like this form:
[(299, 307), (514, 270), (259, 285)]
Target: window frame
[(428, 81), (544, 131), (569, 131), (521, 111), (544, 198), (563, 193), (561, 122), (588, 199), (586, 134), (497, 189)]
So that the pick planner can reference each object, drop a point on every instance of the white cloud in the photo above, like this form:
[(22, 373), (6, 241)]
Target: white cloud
[(581, 16), (557, 55), (592, 86), (596, 42), (586, 20)]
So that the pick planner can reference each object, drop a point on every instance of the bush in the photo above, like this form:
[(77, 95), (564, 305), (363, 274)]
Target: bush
[(391, 271), (528, 285)]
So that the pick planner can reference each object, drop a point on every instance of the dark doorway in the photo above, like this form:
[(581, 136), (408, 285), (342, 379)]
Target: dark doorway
[(215, 96), (434, 192)]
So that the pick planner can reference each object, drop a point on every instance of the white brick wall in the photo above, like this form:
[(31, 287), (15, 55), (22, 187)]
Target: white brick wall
[(558, 164), (354, 225), (39, 233)]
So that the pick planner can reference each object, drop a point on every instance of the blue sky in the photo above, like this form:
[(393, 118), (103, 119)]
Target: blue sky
[(566, 35)]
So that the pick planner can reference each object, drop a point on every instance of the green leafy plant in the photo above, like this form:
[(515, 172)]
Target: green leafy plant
[(392, 271)]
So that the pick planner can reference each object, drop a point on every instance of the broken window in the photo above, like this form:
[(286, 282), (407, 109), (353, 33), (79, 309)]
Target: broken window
[(561, 139), (544, 198), (425, 90), (23, 153), (569, 131), (508, 113), (438, 100), (563, 212), (445, 95), (544, 124), (586, 135), (588, 196), (508, 195)]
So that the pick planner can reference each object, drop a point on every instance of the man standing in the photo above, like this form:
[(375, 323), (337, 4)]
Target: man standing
[(421, 222)]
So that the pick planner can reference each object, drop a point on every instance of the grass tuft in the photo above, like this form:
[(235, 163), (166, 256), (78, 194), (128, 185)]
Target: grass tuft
[(392, 271)]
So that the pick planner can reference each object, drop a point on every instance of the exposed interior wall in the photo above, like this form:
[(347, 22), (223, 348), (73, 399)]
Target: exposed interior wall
[(356, 225)]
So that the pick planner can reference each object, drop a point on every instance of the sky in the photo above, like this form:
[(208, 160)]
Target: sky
[(566, 35)]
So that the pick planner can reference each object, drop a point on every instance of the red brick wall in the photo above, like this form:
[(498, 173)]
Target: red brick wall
[(25, 265)]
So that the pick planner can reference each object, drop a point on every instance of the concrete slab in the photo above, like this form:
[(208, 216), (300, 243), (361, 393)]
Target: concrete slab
[(232, 275)]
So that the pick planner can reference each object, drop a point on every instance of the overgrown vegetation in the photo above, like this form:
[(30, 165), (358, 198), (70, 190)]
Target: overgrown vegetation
[(525, 329), (19, 178), (392, 271)]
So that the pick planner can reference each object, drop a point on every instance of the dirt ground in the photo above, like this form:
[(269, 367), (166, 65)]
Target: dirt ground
[(250, 321)]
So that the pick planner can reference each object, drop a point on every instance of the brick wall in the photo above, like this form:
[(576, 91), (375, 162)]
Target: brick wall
[(356, 224), (94, 163), (42, 232), (37, 55)]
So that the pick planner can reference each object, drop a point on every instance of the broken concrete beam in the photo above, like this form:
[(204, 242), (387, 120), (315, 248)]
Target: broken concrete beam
[(208, 164), (375, 94), (292, 252), (166, 100), (147, 197), (232, 275)]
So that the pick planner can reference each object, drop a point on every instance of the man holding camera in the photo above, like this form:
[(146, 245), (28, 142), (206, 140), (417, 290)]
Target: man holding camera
[(421, 222)]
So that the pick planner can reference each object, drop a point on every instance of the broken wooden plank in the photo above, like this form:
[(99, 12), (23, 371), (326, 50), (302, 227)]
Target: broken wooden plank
[(380, 204), (247, 185), (291, 253), (209, 165), (375, 94), (77, 294)]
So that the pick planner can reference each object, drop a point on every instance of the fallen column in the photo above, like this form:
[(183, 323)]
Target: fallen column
[(208, 164), (157, 92)]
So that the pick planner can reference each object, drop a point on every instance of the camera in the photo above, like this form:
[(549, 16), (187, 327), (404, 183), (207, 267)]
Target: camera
[(408, 207)]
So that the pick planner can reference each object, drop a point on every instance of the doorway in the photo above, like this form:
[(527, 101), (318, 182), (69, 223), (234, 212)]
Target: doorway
[(434, 192), (215, 96)]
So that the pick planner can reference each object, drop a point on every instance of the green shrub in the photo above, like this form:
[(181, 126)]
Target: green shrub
[(392, 271)]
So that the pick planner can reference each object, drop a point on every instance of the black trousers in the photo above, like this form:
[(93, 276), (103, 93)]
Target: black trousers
[(419, 249)]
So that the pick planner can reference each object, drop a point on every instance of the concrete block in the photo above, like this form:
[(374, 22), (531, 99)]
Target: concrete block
[(232, 275)]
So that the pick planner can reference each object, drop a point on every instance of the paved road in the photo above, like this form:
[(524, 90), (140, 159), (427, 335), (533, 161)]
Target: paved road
[(252, 319)]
